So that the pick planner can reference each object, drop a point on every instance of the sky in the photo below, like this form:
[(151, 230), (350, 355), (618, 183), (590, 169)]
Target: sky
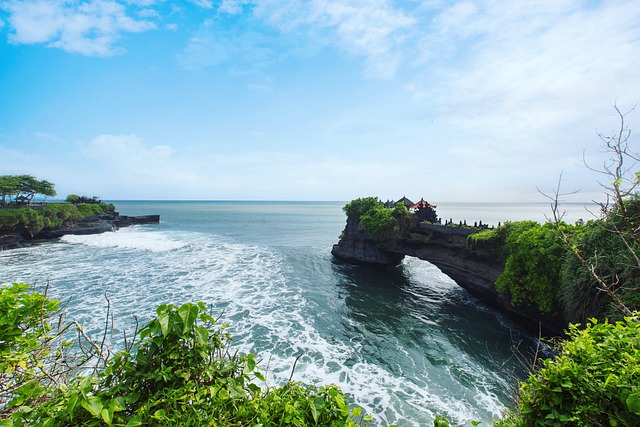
[(453, 101)]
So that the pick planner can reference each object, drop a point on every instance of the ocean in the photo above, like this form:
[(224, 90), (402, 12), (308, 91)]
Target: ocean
[(406, 344)]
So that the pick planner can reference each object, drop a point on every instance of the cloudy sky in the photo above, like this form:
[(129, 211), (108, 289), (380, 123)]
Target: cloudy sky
[(480, 100)]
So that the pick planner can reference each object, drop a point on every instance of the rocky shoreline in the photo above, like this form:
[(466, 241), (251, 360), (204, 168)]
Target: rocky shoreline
[(17, 237), (475, 269)]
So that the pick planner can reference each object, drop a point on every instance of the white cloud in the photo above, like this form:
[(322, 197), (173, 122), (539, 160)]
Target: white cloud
[(373, 29), (148, 13), (142, 2), (231, 7), (205, 4), (88, 28), (128, 152), (529, 78), (243, 53)]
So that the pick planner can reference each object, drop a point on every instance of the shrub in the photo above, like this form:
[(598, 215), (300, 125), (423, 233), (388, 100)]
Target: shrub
[(380, 221), (612, 250), (535, 256), (358, 207), (51, 216), (26, 346), (178, 372), (492, 239), (594, 380), (91, 209)]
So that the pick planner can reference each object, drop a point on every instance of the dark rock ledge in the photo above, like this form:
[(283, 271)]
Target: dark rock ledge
[(475, 269), (16, 237)]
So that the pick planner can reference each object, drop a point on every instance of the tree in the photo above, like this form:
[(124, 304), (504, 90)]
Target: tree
[(8, 187), (23, 188), (617, 226)]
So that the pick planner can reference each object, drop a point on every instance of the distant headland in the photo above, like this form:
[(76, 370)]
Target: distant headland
[(25, 219)]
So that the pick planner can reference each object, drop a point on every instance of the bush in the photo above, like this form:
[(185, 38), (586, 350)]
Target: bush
[(491, 239), (91, 209), (179, 371), (51, 216), (359, 207), (380, 221), (594, 380), (535, 255), (26, 346), (613, 252)]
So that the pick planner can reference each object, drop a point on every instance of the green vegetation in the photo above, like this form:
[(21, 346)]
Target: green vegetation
[(26, 346), (532, 268), (23, 188), (18, 211), (593, 381), (75, 199), (533, 257), (603, 270), (379, 221), (549, 266), (178, 371), (52, 215)]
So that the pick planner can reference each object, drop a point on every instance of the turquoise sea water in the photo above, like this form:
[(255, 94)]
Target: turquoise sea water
[(406, 344)]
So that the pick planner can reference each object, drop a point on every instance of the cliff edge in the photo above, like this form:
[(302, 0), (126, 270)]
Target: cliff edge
[(475, 269), (16, 236)]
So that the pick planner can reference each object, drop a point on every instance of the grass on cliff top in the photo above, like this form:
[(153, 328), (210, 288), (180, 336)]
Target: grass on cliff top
[(52, 215)]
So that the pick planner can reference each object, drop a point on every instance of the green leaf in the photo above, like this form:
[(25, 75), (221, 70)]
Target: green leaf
[(134, 421), (160, 414), (93, 404), (163, 320), (314, 412), (72, 404), (107, 416), (188, 313), (633, 403)]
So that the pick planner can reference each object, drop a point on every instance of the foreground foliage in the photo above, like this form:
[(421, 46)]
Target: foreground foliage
[(594, 380), (602, 274), (178, 372), (26, 345)]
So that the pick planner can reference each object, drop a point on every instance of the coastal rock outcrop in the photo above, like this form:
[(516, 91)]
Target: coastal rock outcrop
[(475, 269), (358, 247), (15, 237)]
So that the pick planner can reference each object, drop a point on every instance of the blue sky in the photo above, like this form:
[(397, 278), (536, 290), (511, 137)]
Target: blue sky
[(479, 100)]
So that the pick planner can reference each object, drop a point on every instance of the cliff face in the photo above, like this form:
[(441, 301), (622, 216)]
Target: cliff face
[(358, 247), (475, 269), (14, 237)]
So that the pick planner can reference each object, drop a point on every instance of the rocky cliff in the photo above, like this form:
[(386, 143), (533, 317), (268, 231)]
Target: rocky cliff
[(17, 236), (475, 269)]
